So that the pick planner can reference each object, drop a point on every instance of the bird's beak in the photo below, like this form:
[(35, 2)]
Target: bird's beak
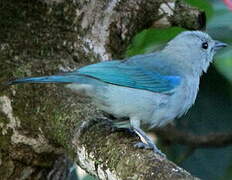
[(219, 45)]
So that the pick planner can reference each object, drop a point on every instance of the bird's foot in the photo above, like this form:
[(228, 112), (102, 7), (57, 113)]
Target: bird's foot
[(149, 146), (146, 142), (142, 145)]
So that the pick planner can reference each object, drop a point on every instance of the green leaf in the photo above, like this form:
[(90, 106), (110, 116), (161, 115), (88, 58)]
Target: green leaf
[(150, 39)]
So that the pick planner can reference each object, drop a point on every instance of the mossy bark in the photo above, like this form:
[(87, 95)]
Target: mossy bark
[(39, 123)]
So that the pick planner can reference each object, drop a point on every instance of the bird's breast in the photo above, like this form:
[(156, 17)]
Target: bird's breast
[(176, 104), (186, 95)]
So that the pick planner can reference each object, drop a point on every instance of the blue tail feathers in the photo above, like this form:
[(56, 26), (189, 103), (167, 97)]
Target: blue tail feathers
[(47, 79)]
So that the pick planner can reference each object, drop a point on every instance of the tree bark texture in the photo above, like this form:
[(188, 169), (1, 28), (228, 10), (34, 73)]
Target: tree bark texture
[(39, 123)]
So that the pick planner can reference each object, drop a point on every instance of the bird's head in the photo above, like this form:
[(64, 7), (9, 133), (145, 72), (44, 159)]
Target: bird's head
[(194, 48)]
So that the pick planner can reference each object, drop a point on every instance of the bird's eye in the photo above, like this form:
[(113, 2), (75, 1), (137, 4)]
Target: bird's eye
[(204, 45)]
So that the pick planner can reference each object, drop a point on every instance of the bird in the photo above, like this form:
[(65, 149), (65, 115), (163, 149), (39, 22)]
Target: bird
[(144, 91)]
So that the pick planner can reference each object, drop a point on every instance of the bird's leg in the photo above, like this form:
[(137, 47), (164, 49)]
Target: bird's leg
[(146, 141), (121, 125)]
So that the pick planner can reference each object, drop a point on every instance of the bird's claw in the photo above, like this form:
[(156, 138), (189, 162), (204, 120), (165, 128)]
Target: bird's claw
[(142, 145), (149, 146)]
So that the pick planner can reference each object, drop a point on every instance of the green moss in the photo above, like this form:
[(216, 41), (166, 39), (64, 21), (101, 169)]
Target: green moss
[(33, 31), (29, 27), (7, 168), (60, 127), (36, 39), (104, 148), (5, 140)]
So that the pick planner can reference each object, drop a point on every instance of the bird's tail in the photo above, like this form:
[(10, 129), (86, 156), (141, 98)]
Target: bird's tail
[(47, 79)]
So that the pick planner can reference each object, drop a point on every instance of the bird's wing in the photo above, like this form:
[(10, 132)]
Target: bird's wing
[(133, 76)]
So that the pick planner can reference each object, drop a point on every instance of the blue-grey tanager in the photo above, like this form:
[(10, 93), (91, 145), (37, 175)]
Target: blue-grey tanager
[(150, 90)]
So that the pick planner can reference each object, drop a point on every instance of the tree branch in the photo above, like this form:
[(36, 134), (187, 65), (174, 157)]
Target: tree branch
[(108, 154)]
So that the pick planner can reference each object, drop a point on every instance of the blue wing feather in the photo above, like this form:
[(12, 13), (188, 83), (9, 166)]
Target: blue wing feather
[(114, 72), (133, 76)]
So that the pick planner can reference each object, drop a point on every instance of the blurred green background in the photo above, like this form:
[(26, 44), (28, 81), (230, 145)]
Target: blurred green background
[(212, 112)]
